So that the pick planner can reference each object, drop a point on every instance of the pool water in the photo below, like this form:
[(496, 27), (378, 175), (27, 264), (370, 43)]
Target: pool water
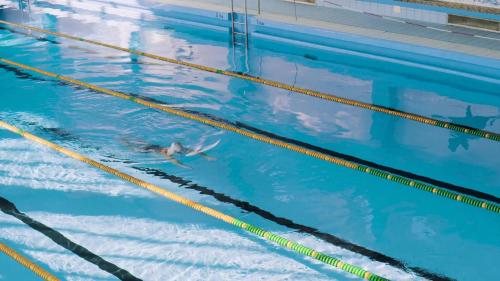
[(302, 198)]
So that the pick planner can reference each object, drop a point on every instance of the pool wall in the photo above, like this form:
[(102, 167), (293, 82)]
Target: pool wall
[(299, 38), (408, 10)]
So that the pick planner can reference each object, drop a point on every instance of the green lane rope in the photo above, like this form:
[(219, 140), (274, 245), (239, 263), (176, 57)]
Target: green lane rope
[(487, 205), (299, 248), (411, 116), (45, 275)]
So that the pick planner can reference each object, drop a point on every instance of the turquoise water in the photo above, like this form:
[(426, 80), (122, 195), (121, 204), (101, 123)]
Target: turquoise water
[(154, 239)]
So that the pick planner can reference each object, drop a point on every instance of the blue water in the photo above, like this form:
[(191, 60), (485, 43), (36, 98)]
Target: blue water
[(155, 239)]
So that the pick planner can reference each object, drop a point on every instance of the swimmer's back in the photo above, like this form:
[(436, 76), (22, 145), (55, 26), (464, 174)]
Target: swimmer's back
[(152, 148)]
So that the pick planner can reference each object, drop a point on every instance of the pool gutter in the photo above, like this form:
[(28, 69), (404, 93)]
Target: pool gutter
[(276, 29)]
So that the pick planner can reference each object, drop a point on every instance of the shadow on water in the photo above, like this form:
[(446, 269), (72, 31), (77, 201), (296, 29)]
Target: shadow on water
[(480, 122)]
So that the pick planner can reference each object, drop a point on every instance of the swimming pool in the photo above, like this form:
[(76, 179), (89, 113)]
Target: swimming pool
[(385, 227)]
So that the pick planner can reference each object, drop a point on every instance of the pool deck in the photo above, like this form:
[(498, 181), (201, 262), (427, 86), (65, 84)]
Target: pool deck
[(451, 38)]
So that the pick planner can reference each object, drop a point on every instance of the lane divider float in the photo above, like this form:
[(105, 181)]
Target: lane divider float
[(294, 246), (45, 275), (460, 197), (329, 97)]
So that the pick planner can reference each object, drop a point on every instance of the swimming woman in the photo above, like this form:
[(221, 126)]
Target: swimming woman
[(175, 148)]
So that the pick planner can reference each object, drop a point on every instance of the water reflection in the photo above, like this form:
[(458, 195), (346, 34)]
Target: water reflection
[(24, 4)]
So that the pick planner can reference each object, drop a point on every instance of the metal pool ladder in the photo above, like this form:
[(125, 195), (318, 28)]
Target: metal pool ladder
[(239, 28)]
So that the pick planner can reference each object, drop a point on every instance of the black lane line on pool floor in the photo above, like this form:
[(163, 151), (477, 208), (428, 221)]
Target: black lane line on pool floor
[(10, 208), (21, 74), (46, 40), (406, 174), (357, 160), (464, 190), (66, 136), (326, 237), (41, 39)]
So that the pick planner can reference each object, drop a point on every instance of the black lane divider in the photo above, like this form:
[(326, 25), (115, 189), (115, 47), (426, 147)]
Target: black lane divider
[(442, 184), (21, 74), (452, 187), (41, 39), (449, 186), (326, 237), (24, 75), (10, 209)]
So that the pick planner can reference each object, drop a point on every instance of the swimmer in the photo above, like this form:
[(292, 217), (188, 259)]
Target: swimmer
[(174, 149)]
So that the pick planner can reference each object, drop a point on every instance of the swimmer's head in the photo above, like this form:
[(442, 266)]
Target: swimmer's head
[(175, 147)]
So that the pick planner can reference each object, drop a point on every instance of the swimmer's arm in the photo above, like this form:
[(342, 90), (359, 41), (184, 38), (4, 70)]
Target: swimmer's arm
[(177, 162), (208, 157), (202, 154)]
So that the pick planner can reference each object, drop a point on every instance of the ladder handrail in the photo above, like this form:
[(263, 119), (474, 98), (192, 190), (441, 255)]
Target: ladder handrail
[(246, 24), (232, 20), (233, 29)]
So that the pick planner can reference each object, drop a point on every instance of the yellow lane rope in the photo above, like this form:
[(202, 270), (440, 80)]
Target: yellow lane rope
[(27, 263), (316, 94), (299, 248), (491, 206)]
